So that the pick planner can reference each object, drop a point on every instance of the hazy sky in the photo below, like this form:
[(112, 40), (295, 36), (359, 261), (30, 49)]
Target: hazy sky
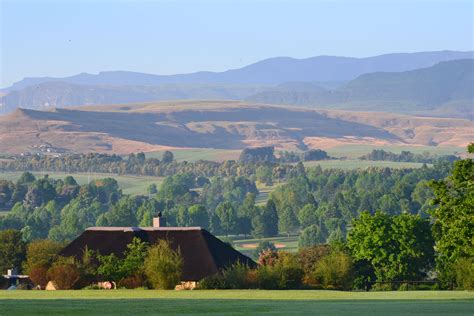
[(60, 38)]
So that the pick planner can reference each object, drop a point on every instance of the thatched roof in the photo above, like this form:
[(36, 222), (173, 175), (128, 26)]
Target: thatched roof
[(203, 254)]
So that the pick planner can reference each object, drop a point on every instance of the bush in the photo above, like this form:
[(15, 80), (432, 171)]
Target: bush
[(131, 282), (263, 246), (308, 258), (39, 275), (335, 271), (268, 278), (268, 257), (65, 275), (464, 271), (163, 266), (238, 276), (41, 253), (289, 270)]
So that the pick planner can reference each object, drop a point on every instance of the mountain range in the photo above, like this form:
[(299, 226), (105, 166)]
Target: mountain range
[(439, 82)]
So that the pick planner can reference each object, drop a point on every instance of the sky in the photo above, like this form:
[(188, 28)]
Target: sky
[(67, 37)]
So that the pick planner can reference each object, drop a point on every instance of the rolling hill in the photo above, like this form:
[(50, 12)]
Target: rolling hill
[(216, 124)]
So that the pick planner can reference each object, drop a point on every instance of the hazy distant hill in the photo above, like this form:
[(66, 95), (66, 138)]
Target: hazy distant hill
[(269, 71), (217, 124), (318, 81), (446, 85), (63, 94)]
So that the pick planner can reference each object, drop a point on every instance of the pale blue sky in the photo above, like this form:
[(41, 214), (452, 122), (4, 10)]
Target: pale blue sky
[(60, 38)]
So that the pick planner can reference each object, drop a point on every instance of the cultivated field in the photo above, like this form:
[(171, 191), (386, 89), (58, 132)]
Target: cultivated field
[(234, 302), (361, 164), (129, 184)]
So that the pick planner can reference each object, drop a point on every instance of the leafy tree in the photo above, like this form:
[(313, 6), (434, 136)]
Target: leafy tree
[(335, 271), (308, 215), (41, 253), (12, 250), (167, 157), (152, 189), (398, 247), (163, 266), (227, 217), (453, 216), (198, 216), (26, 178), (270, 219), (110, 267), (310, 236), (287, 221), (134, 259)]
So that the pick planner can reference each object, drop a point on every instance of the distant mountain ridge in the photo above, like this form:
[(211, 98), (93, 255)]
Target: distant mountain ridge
[(446, 84), (269, 71)]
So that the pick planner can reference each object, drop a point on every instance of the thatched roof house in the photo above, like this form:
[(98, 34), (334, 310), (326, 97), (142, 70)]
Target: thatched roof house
[(203, 254)]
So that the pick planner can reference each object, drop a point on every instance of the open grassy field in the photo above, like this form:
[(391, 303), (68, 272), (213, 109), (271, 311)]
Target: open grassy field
[(234, 302), (129, 184), (247, 246), (361, 164), (353, 151), (195, 154)]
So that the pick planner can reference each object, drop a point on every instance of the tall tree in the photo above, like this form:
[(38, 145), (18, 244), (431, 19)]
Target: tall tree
[(398, 247), (453, 216)]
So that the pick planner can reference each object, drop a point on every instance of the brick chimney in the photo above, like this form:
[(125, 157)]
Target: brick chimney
[(159, 221)]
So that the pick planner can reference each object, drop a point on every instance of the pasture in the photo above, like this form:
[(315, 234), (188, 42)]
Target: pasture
[(361, 164), (234, 302), (133, 185)]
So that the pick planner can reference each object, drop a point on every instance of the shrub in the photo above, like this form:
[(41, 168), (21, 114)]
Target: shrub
[(238, 276), (64, 275), (163, 266), (39, 275), (263, 246), (464, 271), (41, 253), (289, 271), (308, 258), (268, 257), (335, 271), (131, 282), (268, 278)]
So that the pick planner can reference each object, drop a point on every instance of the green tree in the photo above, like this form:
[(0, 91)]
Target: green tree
[(453, 216), (227, 217), (308, 215), (270, 219), (398, 247), (134, 259), (311, 236), (198, 216), (12, 250), (287, 221), (167, 157), (163, 266), (41, 252)]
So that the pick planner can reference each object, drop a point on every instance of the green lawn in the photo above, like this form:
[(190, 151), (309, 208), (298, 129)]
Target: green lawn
[(247, 246), (234, 302), (129, 184)]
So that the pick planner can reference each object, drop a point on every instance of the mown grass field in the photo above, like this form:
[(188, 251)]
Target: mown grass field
[(129, 184), (247, 246), (234, 302)]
